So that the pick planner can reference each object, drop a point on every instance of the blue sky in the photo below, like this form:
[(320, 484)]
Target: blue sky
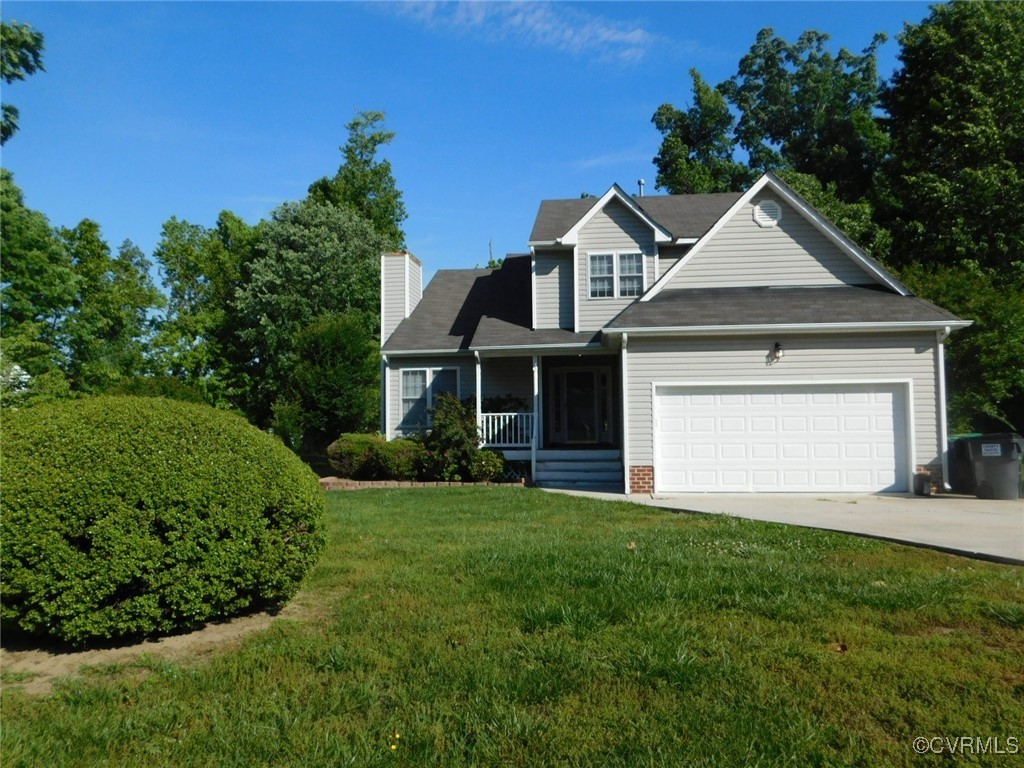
[(148, 110)]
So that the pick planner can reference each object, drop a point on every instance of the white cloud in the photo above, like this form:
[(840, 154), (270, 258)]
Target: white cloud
[(538, 24)]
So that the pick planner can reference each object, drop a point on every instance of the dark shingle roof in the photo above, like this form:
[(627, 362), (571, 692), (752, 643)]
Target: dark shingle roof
[(685, 216), (478, 308), (696, 307)]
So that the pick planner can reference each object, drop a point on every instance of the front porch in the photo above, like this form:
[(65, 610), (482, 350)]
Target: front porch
[(568, 420)]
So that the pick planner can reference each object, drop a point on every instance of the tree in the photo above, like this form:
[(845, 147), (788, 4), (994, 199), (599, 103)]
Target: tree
[(108, 322), (365, 183), (696, 154), (312, 260), (954, 180), (334, 386), (952, 191), (805, 109), (800, 108), (21, 55), (37, 284), (203, 269)]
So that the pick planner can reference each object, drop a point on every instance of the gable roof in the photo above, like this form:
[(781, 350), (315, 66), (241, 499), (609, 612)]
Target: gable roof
[(682, 217), (469, 309), (769, 310), (803, 208)]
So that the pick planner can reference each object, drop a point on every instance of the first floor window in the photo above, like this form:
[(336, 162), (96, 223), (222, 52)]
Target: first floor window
[(420, 389)]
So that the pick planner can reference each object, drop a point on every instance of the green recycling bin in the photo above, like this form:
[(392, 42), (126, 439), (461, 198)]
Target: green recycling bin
[(997, 461)]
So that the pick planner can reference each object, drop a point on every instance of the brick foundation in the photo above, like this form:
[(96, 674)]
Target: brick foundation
[(641, 479)]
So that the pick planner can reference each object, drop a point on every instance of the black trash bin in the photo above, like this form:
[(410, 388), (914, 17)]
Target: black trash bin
[(996, 461), (961, 465)]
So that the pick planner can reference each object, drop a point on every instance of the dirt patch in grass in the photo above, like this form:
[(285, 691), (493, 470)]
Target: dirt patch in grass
[(36, 670)]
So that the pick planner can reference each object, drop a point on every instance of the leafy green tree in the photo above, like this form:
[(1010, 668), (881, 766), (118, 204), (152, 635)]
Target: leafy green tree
[(21, 55), (37, 284), (696, 154), (334, 386), (364, 182), (108, 323), (805, 109), (203, 268), (955, 176), (312, 260)]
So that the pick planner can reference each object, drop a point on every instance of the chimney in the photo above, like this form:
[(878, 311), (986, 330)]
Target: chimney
[(640, 183), (401, 286)]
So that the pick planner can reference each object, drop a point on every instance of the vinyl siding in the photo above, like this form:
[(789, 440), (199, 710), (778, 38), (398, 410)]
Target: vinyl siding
[(808, 359), (612, 230), (392, 297), (744, 254), (668, 256), (553, 272), (467, 383)]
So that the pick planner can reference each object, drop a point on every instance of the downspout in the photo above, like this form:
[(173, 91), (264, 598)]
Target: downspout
[(940, 338), (624, 374)]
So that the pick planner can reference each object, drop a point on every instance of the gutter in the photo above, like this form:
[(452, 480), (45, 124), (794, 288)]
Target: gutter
[(767, 330)]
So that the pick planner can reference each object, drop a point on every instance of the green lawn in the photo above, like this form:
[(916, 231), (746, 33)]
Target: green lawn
[(510, 627)]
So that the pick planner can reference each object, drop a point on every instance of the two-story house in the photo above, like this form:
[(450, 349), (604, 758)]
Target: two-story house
[(680, 343)]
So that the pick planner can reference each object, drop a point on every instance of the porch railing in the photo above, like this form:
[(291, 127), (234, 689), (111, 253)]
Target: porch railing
[(506, 430)]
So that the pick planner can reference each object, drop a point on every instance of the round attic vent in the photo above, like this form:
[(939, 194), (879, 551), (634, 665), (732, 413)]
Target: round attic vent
[(767, 213)]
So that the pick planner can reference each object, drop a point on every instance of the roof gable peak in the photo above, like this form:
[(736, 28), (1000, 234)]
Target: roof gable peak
[(615, 192)]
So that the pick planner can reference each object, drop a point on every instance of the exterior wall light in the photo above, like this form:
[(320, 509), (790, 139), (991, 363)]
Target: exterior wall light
[(776, 353)]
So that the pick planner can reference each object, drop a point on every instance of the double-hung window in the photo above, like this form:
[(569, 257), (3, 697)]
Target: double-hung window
[(420, 389), (616, 275)]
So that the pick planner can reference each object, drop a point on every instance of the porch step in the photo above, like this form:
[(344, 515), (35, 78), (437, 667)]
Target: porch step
[(595, 470)]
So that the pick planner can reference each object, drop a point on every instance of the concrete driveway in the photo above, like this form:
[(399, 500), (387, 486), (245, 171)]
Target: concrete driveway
[(963, 525)]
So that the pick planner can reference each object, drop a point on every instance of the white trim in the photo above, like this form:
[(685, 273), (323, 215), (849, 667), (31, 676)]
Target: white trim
[(383, 293), (408, 287), (940, 363), (813, 217), (908, 408), (761, 330), (479, 392), (624, 387), (617, 273), (575, 289), (571, 237), (385, 411), (533, 289)]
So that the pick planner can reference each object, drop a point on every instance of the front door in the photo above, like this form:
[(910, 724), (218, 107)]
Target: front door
[(580, 406)]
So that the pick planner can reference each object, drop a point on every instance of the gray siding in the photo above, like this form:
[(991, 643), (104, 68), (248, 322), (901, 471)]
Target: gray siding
[(668, 256), (553, 272), (792, 253), (613, 229), (467, 383), (808, 359), (401, 288)]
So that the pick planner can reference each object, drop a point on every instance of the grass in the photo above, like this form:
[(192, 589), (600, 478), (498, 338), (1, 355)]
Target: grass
[(509, 627)]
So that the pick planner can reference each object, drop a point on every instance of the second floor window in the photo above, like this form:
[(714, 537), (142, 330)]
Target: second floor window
[(616, 275)]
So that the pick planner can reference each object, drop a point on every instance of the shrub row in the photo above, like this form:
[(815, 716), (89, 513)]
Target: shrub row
[(449, 451), (134, 516)]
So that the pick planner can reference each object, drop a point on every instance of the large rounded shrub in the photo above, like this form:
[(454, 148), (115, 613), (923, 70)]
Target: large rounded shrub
[(132, 516)]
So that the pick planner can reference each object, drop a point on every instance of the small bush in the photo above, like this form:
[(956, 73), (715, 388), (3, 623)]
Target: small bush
[(352, 455), (453, 442), (400, 459), (488, 465), (129, 516), (371, 457)]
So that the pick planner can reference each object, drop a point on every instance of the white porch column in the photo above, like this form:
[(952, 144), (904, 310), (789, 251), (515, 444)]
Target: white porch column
[(385, 378), (624, 374), (479, 392), (535, 437)]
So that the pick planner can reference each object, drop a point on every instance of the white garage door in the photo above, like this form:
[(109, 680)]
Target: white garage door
[(794, 438)]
